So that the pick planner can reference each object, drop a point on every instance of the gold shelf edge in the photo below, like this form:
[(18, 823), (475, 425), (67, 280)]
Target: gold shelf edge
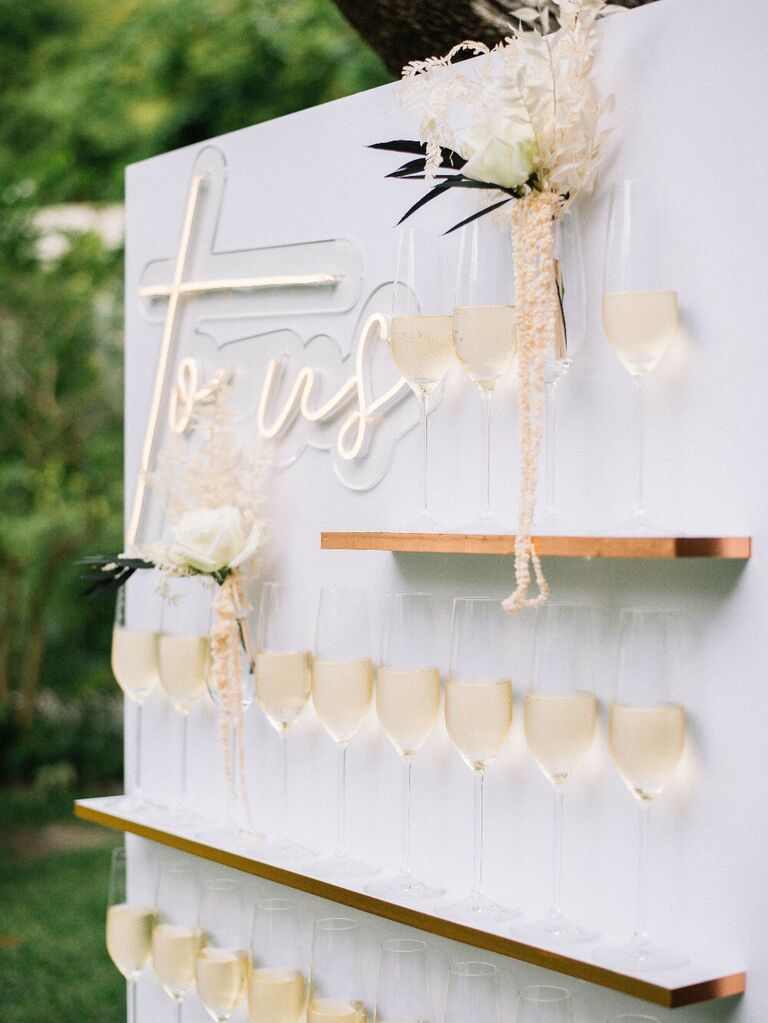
[(733, 548), (671, 998)]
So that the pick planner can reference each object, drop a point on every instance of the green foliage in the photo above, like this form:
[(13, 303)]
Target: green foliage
[(101, 83), (56, 966)]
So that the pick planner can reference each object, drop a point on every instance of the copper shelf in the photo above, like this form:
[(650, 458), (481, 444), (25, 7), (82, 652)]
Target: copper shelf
[(699, 985), (637, 547)]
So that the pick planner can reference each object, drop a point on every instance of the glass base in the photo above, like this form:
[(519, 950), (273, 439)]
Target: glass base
[(484, 524), (554, 928), (339, 865), (281, 851), (234, 835), (641, 956), (404, 887), (137, 804), (477, 909)]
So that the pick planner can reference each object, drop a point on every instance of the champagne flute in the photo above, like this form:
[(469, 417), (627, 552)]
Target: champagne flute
[(473, 993), (478, 716), (568, 270), (335, 984), (342, 690), (646, 731), (136, 667), (640, 313), (129, 929), (560, 721), (283, 682), (407, 704), (402, 990), (176, 938), (421, 331), (484, 334), (544, 1003), (185, 656), (221, 964), (276, 988)]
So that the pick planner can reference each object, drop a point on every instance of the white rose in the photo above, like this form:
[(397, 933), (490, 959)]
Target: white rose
[(210, 539), (501, 152)]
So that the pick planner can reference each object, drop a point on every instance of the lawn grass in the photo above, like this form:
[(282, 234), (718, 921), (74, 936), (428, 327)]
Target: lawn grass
[(53, 962), (55, 965)]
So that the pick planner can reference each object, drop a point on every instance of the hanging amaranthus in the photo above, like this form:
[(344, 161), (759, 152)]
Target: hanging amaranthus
[(534, 140)]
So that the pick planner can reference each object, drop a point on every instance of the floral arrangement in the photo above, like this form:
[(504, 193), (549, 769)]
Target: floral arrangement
[(532, 145), (211, 492)]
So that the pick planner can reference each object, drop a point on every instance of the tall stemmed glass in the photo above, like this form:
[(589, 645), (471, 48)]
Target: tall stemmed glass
[(407, 704), (335, 983), (136, 667), (402, 990), (276, 988), (484, 335), (233, 815), (221, 964), (544, 1003), (176, 938), (342, 689), (185, 656), (421, 331), (560, 720), (473, 993), (568, 271), (129, 930), (646, 731), (478, 715), (283, 680), (640, 313)]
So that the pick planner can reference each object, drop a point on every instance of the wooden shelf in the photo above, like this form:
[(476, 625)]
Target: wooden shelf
[(693, 985), (637, 547)]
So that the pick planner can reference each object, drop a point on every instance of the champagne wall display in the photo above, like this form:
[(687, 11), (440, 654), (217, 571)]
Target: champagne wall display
[(303, 196)]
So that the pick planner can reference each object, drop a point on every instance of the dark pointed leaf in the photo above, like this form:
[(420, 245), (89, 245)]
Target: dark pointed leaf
[(480, 213)]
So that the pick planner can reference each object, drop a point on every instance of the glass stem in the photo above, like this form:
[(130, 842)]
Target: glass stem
[(341, 838), (131, 995), (424, 460), (184, 736), (641, 931), (557, 850), (405, 825), (179, 1003), (549, 468), (477, 849), (639, 383), (137, 752), (486, 397), (284, 784)]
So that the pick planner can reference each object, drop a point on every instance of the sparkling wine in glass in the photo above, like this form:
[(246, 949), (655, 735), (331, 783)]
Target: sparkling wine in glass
[(276, 987), (640, 312), (407, 705), (283, 641), (484, 334), (176, 937), (473, 993), (421, 330), (544, 1003), (646, 732), (129, 929), (342, 690), (185, 656), (221, 964), (335, 983), (402, 990), (478, 716), (136, 662), (560, 722)]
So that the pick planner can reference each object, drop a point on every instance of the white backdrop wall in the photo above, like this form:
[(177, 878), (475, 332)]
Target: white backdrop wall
[(690, 99)]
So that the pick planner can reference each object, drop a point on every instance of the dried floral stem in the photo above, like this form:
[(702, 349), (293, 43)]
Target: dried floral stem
[(536, 324)]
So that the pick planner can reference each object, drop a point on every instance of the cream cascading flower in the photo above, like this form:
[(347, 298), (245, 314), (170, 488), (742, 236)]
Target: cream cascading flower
[(212, 540)]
